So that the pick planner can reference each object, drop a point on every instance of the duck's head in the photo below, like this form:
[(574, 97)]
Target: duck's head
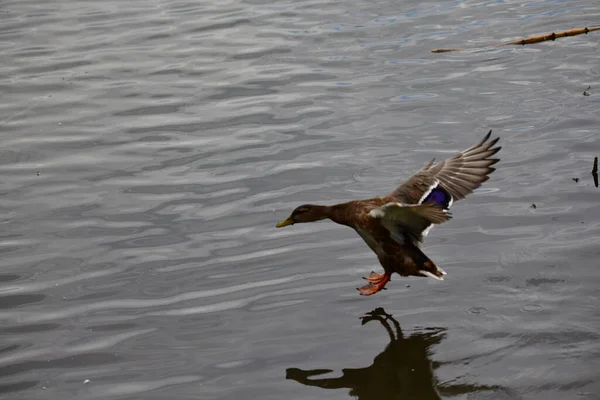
[(304, 213)]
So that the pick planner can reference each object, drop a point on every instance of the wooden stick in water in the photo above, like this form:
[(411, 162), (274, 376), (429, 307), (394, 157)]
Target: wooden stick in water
[(595, 171), (531, 39)]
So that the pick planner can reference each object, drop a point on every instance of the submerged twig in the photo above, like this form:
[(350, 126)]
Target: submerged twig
[(595, 171), (530, 40)]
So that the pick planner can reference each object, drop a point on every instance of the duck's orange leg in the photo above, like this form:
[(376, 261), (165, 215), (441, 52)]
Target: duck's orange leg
[(377, 283), (373, 277)]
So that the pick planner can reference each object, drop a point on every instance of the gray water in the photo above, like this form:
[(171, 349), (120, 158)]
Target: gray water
[(149, 148)]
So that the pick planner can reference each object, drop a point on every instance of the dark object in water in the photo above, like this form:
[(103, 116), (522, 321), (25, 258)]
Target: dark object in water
[(595, 171), (576, 180), (533, 206), (585, 92), (403, 370), (531, 40)]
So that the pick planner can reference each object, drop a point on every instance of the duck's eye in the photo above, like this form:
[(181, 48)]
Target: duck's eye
[(300, 210)]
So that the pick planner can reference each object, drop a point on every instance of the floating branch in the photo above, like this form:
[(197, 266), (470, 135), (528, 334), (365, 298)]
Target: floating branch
[(595, 171), (530, 40)]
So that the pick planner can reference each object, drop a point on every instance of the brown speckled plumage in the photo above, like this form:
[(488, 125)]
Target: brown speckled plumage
[(394, 225)]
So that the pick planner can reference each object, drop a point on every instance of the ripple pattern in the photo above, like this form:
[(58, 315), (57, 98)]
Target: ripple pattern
[(149, 147)]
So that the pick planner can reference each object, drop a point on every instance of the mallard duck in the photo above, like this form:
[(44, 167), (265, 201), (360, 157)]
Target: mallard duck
[(393, 226)]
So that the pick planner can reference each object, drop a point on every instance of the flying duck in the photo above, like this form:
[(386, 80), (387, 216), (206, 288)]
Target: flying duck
[(393, 226)]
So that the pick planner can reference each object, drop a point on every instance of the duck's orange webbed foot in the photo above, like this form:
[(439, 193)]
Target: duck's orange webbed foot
[(376, 284), (374, 277)]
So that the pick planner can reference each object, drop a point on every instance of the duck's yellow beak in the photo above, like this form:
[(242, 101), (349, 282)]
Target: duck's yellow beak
[(285, 222)]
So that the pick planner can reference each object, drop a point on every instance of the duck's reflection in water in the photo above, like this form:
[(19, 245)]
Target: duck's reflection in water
[(402, 371)]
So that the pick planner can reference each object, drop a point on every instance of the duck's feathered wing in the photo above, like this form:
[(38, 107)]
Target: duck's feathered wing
[(438, 185), (452, 179), (406, 222)]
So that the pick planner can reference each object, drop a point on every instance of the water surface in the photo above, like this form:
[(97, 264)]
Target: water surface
[(149, 147)]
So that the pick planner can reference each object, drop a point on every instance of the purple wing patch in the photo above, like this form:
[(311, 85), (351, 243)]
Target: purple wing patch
[(439, 197)]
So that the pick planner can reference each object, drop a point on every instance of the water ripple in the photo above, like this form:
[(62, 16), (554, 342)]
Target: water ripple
[(150, 147)]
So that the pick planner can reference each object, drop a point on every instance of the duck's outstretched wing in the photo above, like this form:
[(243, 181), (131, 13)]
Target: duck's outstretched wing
[(453, 179), (406, 222)]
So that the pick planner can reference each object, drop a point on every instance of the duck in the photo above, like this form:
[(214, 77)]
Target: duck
[(394, 226)]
